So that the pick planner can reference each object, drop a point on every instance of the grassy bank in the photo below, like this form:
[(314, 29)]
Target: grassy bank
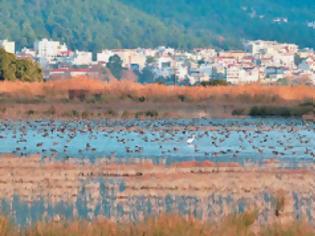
[(89, 99), (294, 110), (154, 92), (238, 225)]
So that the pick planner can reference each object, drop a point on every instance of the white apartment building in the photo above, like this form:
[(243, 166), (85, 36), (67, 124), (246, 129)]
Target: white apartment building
[(103, 57), (47, 50), (237, 55), (8, 46), (131, 57), (148, 52), (271, 47), (240, 75), (206, 54), (284, 59), (165, 62), (164, 51), (82, 58), (181, 72)]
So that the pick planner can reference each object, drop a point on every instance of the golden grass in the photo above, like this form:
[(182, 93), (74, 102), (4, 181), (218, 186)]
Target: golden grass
[(237, 225), (125, 88)]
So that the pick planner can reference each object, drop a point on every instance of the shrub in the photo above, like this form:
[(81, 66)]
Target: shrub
[(51, 111), (30, 112), (111, 113), (217, 82), (307, 103), (77, 94), (245, 97), (125, 115), (85, 115), (75, 113), (279, 111), (141, 99), (98, 97), (278, 203), (269, 111), (139, 114), (238, 112), (152, 114), (3, 109), (182, 98)]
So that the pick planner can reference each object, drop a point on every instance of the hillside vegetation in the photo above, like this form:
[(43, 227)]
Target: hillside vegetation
[(96, 24), (92, 24), (231, 21)]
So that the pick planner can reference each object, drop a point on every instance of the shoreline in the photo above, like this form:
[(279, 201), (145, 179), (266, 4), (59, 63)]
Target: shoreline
[(133, 110), (67, 119)]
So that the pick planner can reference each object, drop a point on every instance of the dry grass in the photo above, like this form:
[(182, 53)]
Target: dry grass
[(125, 88), (96, 99), (238, 225)]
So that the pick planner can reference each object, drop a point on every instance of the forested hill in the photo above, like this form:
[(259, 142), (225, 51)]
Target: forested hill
[(96, 24), (234, 20)]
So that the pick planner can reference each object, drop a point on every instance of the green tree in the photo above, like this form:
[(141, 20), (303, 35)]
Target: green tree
[(7, 66), (115, 66), (12, 69), (150, 60), (147, 75), (28, 71)]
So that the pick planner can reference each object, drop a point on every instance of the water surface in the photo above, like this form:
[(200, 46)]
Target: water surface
[(290, 141)]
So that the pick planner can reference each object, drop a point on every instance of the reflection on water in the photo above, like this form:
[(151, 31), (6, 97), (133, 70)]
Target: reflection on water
[(211, 207)]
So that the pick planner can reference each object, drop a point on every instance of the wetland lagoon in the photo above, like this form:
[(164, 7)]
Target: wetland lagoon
[(129, 170)]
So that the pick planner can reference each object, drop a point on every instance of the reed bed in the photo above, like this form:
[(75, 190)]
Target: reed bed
[(167, 225), (121, 89)]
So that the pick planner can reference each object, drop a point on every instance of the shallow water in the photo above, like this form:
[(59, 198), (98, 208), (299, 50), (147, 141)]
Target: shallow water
[(136, 208), (291, 141)]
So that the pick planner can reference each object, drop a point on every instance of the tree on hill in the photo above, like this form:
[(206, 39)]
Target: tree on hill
[(13, 69), (115, 66)]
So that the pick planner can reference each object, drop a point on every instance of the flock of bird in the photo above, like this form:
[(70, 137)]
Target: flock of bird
[(174, 140)]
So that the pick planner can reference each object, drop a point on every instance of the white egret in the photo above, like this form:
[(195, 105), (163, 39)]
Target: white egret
[(191, 140)]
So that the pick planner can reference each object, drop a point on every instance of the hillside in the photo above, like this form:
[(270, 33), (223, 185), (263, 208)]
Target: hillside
[(92, 24), (234, 20), (96, 24)]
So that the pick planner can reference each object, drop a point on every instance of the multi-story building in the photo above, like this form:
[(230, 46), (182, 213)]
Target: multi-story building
[(81, 58), (47, 50), (242, 75), (131, 57), (103, 57)]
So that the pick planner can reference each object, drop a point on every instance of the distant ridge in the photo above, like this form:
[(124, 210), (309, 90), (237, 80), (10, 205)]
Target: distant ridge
[(96, 24)]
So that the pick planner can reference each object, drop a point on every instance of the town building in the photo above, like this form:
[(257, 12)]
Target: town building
[(47, 50), (260, 61), (81, 58), (8, 46)]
